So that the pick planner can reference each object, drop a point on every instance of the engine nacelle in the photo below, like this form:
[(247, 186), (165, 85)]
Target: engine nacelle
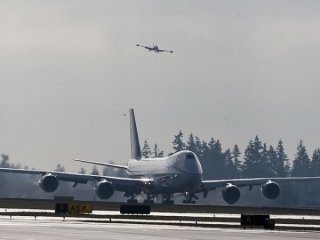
[(270, 190), (230, 193), (49, 183), (104, 189)]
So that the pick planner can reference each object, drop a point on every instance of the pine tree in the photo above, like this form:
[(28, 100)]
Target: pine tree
[(5, 161), (204, 151), (236, 158), (231, 170), (265, 162), (301, 163), (273, 162), (60, 168), (198, 146), (191, 144), (178, 144), (315, 162), (249, 160), (283, 161), (315, 171), (146, 151), (157, 152), (194, 145), (94, 170), (204, 157), (253, 165), (216, 160), (82, 171), (109, 171)]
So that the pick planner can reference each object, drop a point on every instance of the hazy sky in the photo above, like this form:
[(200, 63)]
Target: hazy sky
[(70, 69)]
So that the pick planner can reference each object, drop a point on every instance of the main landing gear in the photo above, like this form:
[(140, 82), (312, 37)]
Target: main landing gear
[(189, 196), (167, 199), (149, 199), (131, 198)]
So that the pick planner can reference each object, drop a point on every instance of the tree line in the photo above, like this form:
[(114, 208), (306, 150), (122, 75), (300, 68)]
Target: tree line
[(257, 160)]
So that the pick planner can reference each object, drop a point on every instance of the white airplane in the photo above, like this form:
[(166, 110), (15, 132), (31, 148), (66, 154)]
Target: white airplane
[(180, 173), (154, 48)]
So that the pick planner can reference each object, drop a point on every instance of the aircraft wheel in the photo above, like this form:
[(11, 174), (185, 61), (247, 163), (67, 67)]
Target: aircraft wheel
[(132, 201), (168, 202), (190, 202)]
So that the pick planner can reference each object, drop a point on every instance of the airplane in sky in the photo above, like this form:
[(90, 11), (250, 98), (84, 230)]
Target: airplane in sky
[(179, 173), (154, 48)]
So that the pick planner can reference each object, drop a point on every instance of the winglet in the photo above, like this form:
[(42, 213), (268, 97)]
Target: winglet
[(134, 138)]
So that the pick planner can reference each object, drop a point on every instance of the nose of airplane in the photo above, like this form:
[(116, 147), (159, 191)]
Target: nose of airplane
[(189, 163)]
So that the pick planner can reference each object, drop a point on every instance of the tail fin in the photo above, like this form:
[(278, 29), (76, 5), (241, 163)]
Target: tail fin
[(135, 145)]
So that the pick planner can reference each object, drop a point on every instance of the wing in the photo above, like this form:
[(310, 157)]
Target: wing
[(163, 50), (245, 182), (146, 47), (119, 184), (102, 164)]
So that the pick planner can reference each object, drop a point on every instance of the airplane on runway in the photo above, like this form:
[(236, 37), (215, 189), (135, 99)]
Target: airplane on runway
[(180, 173), (154, 48)]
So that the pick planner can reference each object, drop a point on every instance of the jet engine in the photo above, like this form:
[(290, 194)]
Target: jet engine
[(230, 193), (49, 183), (104, 189), (270, 190)]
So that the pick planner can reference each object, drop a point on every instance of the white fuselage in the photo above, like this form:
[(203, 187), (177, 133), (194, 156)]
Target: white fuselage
[(180, 172)]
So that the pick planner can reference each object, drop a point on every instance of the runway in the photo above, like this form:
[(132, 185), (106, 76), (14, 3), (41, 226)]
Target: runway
[(54, 229), (200, 220), (49, 204)]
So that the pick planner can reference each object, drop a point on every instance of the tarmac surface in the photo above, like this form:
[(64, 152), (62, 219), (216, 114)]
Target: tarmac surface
[(54, 229), (190, 208)]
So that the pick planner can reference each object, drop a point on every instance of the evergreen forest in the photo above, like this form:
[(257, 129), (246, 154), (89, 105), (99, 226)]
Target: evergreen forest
[(257, 160)]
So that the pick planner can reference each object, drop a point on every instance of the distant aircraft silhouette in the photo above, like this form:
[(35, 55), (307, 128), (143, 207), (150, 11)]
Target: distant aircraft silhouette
[(154, 48)]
